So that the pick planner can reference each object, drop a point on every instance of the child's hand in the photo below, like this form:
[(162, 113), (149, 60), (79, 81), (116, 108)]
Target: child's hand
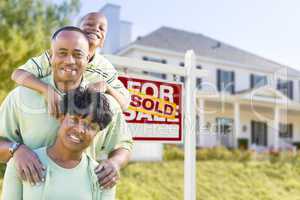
[(100, 86), (53, 99)]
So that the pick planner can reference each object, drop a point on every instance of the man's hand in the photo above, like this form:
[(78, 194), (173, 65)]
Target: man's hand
[(28, 165), (53, 99), (100, 86), (107, 173)]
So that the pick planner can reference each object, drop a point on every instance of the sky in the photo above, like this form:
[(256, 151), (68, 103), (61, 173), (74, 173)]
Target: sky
[(268, 28)]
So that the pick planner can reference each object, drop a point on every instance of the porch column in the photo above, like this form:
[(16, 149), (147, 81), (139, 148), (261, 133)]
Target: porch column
[(201, 119), (276, 127), (236, 123)]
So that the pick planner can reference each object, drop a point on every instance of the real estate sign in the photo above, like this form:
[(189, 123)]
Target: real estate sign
[(155, 110)]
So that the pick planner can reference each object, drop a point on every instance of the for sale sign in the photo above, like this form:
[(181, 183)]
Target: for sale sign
[(155, 110)]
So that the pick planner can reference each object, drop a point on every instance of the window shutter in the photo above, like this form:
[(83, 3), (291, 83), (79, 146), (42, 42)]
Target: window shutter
[(251, 81), (265, 134), (291, 89), (291, 130), (232, 82), (252, 132), (219, 79)]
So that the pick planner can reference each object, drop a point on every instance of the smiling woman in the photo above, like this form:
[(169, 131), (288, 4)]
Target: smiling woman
[(83, 114)]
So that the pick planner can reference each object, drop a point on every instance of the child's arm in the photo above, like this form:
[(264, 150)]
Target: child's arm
[(26, 79), (102, 86), (105, 71), (118, 96)]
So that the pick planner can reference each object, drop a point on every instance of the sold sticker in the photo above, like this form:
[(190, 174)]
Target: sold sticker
[(152, 105)]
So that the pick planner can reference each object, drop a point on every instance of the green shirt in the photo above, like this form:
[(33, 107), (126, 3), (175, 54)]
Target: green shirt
[(98, 69), (24, 118), (78, 183)]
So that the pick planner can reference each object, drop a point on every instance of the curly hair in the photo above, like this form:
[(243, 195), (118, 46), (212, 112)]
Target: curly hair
[(85, 103)]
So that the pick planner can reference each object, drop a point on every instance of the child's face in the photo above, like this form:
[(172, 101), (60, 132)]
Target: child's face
[(95, 27), (77, 133)]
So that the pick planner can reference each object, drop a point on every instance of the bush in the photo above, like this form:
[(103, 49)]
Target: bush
[(173, 152), (216, 153)]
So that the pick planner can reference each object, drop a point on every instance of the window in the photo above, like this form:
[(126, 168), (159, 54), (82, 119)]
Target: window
[(151, 59), (199, 83), (155, 74), (286, 131), (181, 64), (286, 87), (257, 80), (225, 81), (199, 67)]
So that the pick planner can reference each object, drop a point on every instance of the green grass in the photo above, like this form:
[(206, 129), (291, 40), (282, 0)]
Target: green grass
[(221, 175), (220, 180)]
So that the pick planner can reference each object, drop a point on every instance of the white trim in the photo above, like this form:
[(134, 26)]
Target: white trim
[(260, 68), (134, 63)]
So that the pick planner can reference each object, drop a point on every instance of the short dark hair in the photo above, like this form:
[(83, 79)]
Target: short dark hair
[(85, 103), (79, 22), (68, 28)]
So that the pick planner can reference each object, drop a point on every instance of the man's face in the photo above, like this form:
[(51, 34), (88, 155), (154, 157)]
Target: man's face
[(95, 27), (69, 56), (77, 133)]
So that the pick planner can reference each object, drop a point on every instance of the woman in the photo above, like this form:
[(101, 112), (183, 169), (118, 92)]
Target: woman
[(69, 171)]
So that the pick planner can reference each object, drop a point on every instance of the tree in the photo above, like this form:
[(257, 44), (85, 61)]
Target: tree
[(25, 30)]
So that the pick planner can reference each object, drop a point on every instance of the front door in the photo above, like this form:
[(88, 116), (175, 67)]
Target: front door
[(225, 131), (259, 133)]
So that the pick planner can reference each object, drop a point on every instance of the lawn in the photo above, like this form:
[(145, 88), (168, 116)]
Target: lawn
[(220, 180), (222, 175)]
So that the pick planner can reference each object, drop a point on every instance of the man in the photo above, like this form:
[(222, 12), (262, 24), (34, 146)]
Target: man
[(83, 114), (24, 118), (100, 71)]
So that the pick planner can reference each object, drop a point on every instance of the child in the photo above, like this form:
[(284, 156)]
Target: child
[(101, 75)]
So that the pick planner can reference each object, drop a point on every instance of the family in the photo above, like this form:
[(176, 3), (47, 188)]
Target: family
[(62, 130)]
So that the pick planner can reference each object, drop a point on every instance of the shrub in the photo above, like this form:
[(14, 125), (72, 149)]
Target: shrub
[(173, 152)]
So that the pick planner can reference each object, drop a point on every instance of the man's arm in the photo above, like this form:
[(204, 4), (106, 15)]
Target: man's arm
[(118, 144), (12, 185), (27, 163), (4, 152), (108, 172)]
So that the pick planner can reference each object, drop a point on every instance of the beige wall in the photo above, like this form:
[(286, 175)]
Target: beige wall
[(214, 110)]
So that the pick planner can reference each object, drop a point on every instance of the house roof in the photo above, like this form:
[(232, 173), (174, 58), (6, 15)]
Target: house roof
[(180, 41)]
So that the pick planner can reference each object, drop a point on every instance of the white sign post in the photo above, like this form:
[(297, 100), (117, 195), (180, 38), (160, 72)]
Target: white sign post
[(190, 74), (189, 128)]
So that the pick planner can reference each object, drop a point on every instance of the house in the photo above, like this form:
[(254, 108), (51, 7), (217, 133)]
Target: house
[(246, 100)]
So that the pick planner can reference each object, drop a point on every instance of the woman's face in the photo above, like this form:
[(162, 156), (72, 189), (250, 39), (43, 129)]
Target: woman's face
[(77, 133)]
